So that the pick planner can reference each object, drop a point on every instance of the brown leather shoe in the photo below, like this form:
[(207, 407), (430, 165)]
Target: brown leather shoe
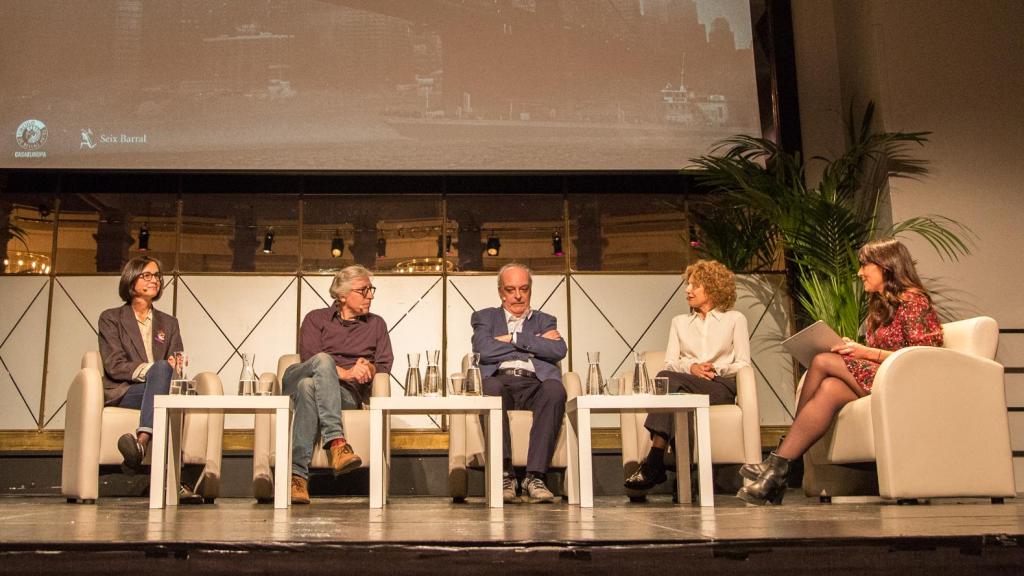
[(300, 490), (343, 459)]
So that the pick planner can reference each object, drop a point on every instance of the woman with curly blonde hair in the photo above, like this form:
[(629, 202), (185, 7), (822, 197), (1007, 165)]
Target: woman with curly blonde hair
[(706, 348)]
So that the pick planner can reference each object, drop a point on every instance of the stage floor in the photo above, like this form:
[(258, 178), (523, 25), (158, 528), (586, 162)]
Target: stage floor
[(423, 520)]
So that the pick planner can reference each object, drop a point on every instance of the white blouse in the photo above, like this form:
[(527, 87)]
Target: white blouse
[(720, 338)]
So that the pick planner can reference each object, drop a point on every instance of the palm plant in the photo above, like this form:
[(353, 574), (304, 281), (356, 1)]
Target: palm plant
[(820, 228)]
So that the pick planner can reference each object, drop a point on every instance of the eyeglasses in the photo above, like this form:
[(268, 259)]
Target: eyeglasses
[(365, 291), (151, 276)]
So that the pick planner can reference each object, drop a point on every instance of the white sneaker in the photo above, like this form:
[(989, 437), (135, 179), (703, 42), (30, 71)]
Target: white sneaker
[(508, 490), (536, 491)]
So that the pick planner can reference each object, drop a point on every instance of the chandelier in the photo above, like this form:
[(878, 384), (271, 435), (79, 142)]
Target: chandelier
[(424, 265), (26, 263)]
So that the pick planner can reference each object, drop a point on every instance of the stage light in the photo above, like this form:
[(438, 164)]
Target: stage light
[(556, 244), (268, 241), (382, 247), (337, 246), (144, 238), (493, 245)]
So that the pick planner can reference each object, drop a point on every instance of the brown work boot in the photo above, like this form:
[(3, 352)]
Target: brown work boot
[(300, 490), (342, 458)]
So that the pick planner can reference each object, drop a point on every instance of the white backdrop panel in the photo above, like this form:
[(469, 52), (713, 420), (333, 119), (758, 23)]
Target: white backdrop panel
[(218, 313), (22, 339), (77, 304), (760, 298), (411, 306), (613, 314)]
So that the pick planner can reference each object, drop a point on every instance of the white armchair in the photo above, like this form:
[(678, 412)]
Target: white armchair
[(935, 424), (355, 422), (735, 428), (91, 431), (466, 440)]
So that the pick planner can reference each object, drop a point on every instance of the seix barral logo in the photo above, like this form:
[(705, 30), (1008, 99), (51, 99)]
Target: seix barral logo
[(31, 137), (91, 140)]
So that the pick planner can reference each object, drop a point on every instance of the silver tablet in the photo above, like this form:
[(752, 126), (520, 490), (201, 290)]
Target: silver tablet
[(807, 343)]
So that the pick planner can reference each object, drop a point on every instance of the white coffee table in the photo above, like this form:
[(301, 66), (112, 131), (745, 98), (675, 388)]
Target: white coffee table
[(580, 472), (166, 443), (381, 408)]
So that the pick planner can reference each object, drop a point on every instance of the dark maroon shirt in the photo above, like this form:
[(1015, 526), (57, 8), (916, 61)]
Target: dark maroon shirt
[(366, 336)]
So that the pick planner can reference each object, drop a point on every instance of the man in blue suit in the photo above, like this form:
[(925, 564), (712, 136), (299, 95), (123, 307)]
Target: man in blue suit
[(519, 353)]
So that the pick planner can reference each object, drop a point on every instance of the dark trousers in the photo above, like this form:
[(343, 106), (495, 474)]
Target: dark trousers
[(547, 402), (720, 390), (140, 394)]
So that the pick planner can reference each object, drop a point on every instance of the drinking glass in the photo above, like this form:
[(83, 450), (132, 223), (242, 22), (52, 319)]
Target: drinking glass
[(266, 387), (660, 385), (457, 381)]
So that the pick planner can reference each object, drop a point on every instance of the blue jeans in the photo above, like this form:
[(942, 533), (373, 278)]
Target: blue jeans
[(318, 398), (140, 394)]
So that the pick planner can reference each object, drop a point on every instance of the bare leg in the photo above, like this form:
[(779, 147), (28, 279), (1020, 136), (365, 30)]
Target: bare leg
[(813, 421), (659, 441), (143, 438)]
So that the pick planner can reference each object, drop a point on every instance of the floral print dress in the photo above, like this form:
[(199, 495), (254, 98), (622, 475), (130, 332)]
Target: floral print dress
[(915, 323)]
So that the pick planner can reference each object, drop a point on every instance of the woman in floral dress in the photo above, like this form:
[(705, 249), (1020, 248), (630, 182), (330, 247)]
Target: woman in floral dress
[(900, 314)]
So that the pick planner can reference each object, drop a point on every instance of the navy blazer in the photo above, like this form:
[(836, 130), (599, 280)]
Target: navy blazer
[(122, 349), (529, 345)]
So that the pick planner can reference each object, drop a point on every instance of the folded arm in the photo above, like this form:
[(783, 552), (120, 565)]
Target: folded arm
[(491, 351), (546, 344)]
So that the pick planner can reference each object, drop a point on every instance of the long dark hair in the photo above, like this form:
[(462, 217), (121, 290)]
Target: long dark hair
[(131, 272), (898, 275)]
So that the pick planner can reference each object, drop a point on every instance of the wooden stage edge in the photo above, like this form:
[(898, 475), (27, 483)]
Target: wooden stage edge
[(418, 535), (237, 440)]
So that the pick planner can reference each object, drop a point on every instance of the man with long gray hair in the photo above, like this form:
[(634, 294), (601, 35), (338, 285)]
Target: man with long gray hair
[(342, 347), (519, 352)]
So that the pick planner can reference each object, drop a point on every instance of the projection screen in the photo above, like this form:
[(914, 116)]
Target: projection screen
[(370, 85)]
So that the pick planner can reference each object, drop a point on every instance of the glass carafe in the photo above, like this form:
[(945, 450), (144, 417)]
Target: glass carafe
[(247, 378), (474, 385), (179, 376), (412, 377), (641, 381), (595, 383), (432, 377)]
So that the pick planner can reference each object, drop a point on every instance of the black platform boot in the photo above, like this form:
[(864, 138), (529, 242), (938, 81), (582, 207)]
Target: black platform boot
[(752, 471), (770, 486)]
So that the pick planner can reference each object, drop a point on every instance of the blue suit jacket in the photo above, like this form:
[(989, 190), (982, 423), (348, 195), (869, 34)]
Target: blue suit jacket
[(529, 345)]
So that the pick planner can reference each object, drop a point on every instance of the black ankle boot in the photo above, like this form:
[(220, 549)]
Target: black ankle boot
[(770, 485), (752, 471)]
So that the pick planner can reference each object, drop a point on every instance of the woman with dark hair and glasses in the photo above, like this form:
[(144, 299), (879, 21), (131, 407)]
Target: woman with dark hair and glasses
[(135, 338), (900, 314)]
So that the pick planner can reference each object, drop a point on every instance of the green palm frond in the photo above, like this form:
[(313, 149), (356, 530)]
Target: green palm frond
[(836, 300), (938, 231), (758, 194)]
